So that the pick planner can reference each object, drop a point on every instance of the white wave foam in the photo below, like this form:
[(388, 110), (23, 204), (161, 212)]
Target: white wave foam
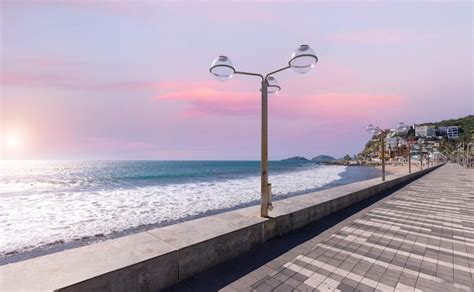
[(35, 220)]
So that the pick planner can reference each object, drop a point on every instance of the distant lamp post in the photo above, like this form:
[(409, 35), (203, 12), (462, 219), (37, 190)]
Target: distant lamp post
[(403, 128), (420, 143), (377, 132), (301, 61)]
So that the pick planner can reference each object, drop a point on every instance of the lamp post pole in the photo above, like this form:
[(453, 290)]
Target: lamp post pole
[(409, 157), (264, 194), (421, 157), (383, 155), (301, 61)]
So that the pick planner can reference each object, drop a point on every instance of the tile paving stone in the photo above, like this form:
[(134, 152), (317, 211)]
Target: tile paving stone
[(312, 268), (293, 282), (273, 282), (345, 288), (304, 288), (300, 263), (299, 277), (264, 288), (288, 272), (259, 282), (324, 272), (336, 277), (389, 280), (364, 288), (283, 288), (420, 236), (347, 266), (408, 280), (281, 277)]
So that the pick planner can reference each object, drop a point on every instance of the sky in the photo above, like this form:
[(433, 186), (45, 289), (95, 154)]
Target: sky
[(130, 79)]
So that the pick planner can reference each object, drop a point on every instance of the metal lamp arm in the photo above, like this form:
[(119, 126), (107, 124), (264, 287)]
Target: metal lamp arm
[(250, 74), (276, 71)]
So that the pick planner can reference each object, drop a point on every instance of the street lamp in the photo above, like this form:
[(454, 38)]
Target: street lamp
[(420, 142), (301, 61), (376, 131), (403, 128)]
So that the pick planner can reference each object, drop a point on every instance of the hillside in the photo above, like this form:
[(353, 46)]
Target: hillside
[(466, 125)]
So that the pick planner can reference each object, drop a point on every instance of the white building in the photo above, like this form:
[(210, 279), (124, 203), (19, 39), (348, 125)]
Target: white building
[(391, 142), (452, 132), (425, 131)]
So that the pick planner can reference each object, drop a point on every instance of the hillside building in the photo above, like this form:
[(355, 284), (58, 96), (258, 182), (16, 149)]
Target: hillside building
[(452, 132), (425, 131)]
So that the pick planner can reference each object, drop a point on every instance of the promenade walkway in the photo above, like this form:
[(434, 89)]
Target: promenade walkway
[(418, 238)]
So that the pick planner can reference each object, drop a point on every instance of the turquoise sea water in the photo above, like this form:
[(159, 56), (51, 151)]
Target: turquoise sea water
[(46, 204)]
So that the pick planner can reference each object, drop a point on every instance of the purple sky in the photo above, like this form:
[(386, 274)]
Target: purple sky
[(130, 80)]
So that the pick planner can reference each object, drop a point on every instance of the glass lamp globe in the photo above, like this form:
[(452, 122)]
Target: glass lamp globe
[(303, 59), (402, 127), (222, 68), (376, 131), (273, 85), (369, 128)]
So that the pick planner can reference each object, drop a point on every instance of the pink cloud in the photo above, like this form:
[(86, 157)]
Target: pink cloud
[(72, 82), (346, 106), (208, 100), (113, 144), (39, 71), (205, 100), (25, 79), (366, 37)]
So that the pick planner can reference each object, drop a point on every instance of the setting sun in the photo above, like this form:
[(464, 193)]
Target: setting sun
[(12, 141)]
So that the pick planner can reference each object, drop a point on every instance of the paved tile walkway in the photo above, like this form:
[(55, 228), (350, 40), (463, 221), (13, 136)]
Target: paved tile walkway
[(419, 238)]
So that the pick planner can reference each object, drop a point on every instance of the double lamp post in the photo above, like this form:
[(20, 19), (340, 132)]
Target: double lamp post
[(301, 61), (382, 134)]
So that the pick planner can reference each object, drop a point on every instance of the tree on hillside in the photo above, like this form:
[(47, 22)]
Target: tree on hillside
[(347, 158)]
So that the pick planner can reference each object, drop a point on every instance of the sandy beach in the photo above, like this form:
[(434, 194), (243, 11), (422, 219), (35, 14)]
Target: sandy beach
[(401, 168)]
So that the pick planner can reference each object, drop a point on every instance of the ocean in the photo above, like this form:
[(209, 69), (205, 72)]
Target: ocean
[(52, 205)]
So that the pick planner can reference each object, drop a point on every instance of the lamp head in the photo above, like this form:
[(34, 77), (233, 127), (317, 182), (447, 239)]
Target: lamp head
[(273, 85), (402, 127), (222, 68), (303, 59), (376, 131)]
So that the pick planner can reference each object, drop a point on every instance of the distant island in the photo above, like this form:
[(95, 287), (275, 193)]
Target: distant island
[(317, 159), (323, 159), (296, 158)]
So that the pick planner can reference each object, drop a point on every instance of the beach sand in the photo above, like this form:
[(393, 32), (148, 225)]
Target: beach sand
[(401, 168)]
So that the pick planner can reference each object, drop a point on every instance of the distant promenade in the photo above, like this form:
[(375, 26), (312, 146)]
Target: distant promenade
[(419, 238)]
